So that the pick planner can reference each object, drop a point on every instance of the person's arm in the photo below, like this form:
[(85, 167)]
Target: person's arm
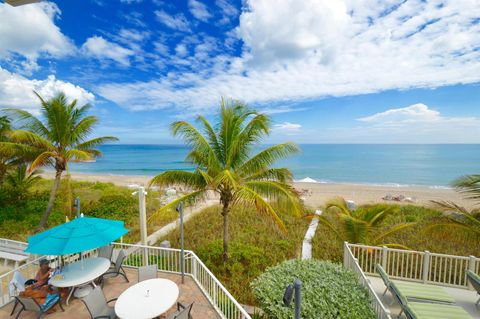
[(42, 279)]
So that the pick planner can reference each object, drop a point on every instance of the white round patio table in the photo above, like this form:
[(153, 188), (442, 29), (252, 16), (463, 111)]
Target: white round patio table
[(147, 299), (79, 273)]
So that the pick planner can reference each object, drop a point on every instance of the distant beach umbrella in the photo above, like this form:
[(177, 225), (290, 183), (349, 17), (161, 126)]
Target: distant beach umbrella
[(78, 235)]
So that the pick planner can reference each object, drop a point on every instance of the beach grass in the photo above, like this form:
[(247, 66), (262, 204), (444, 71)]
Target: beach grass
[(448, 241)]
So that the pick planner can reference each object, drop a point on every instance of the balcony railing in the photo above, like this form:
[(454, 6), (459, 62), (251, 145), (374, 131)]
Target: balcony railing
[(351, 262), (167, 260), (419, 266)]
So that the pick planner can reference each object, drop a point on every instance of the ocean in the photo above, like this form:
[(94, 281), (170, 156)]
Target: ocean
[(408, 165)]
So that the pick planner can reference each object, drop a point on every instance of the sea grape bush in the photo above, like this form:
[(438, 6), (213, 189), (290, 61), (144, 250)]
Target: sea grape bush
[(329, 291)]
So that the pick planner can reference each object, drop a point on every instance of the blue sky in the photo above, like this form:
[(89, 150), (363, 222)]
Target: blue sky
[(346, 71)]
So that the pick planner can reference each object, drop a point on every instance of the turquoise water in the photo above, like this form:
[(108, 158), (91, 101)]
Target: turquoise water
[(430, 165)]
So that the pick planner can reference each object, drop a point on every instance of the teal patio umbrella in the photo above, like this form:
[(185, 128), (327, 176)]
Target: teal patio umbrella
[(78, 235)]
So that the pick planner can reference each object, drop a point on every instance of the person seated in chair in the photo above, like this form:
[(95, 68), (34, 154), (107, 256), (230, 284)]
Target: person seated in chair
[(42, 276)]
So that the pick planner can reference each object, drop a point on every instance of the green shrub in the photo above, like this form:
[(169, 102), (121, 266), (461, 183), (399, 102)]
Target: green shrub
[(329, 291)]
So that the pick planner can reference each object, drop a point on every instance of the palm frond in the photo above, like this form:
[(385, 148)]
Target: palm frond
[(28, 121), (264, 159), (31, 138), (76, 155), (95, 142), (45, 158), (205, 154), (187, 179), (247, 195), (283, 175), (279, 193), (338, 205), (226, 178), (187, 200), (469, 185)]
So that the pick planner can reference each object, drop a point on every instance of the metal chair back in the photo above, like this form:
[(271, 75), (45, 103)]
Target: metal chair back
[(147, 272), (106, 252), (120, 258), (96, 302)]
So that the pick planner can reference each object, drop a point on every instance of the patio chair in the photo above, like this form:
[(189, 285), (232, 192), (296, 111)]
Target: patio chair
[(30, 304), (117, 269), (147, 272), (97, 305), (423, 310), (106, 252), (15, 287), (474, 279), (416, 291), (183, 312)]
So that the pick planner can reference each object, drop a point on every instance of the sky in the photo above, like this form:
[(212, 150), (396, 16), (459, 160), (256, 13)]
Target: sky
[(345, 71)]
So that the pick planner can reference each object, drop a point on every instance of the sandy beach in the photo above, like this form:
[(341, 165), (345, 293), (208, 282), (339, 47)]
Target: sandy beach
[(315, 194)]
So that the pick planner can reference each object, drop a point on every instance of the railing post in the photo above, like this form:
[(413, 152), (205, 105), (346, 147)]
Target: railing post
[(345, 254), (471, 267), (194, 267), (426, 266), (384, 258)]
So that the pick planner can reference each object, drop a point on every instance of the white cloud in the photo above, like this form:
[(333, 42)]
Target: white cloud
[(414, 115), (327, 48), (199, 10), (181, 50), (17, 91), (227, 9), (176, 22), (30, 31), (288, 127), (101, 49), (416, 123)]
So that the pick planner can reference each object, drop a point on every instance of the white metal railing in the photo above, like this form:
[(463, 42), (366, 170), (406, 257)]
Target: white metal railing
[(169, 260), (166, 259), (419, 266), (350, 262)]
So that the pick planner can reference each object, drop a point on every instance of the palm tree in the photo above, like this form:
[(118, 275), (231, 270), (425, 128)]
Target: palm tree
[(363, 224), (19, 182), (222, 154), (5, 154), (60, 137)]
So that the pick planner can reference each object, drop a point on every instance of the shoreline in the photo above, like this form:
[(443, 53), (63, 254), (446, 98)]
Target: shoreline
[(316, 194)]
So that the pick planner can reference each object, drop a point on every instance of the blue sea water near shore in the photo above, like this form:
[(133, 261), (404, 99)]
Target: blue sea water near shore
[(424, 165)]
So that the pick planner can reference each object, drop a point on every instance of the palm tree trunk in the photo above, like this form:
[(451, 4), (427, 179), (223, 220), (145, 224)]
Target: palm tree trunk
[(51, 201), (225, 212)]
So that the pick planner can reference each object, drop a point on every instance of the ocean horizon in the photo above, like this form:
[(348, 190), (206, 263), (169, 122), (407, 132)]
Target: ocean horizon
[(432, 165)]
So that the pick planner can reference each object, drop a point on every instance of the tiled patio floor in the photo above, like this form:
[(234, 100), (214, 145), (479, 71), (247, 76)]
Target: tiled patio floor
[(189, 292), (463, 298)]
